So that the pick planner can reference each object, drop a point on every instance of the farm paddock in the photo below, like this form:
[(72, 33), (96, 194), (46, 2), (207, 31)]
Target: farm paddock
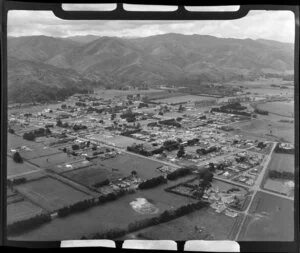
[(271, 219), (21, 210), (51, 194), (204, 224)]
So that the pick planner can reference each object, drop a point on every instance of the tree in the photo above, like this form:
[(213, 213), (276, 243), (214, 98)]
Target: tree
[(48, 131), (207, 179), (179, 140), (29, 136), (11, 131), (134, 173), (181, 108), (75, 146), (17, 157), (59, 123), (145, 99), (181, 151), (113, 116)]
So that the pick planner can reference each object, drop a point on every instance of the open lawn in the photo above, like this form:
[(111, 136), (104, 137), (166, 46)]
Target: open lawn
[(126, 163), (50, 193), (14, 168), (271, 219), (21, 210)]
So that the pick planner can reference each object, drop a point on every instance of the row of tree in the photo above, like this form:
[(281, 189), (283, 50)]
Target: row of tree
[(102, 183), (153, 182), (233, 106), (262, 112), (231, 111), (76, 207), (24, 225), (274, 174), (16, 181), (30, 136), (179, 173), (170, 122)]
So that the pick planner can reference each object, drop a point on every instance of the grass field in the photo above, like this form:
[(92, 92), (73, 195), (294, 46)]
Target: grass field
[(271, 219), (14, 168), (50, 193), (35, 149), (51, 160), (260, 128), (186, 98), (21, 210), (115, 214), (14, 141), (91, 175), (214, 226), (126, 163), (280, 108), (280, 162), (116, 140)]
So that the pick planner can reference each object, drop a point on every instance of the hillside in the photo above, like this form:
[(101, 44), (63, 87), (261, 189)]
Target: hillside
[(29, 81), (160, 59)]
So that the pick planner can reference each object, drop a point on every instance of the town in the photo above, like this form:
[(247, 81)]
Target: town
[(154, 156)]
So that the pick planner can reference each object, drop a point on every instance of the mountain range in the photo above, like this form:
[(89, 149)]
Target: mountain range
[(48, 63)]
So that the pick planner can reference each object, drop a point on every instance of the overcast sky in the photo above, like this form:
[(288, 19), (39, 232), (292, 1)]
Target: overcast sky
[(273, 25)]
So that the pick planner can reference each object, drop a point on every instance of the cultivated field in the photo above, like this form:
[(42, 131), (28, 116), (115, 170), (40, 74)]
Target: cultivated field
[(21, 210), (271, 219), (50, 193)]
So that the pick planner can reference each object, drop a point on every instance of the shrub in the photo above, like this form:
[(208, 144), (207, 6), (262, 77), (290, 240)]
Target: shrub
[(17, 157)]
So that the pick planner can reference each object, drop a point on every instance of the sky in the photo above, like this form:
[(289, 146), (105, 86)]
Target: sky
[(272, 25)]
